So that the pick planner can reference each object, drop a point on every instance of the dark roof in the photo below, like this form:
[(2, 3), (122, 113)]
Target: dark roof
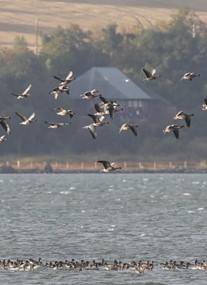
[(112, 83)]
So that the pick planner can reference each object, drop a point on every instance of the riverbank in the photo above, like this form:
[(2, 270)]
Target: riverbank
[(93, 167)]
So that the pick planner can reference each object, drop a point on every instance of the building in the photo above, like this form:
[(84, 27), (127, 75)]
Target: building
[(137, 102)]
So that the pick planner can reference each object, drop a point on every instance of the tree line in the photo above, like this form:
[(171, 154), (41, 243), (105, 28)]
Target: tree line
[(172, 48)]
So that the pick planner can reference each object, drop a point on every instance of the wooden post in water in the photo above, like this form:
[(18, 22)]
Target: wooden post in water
[(95, 165)]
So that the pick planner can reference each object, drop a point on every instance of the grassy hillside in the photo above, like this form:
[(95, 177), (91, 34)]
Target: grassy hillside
[(18, 17)]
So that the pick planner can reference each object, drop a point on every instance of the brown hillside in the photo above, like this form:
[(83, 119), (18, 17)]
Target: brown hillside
[(21, 17)]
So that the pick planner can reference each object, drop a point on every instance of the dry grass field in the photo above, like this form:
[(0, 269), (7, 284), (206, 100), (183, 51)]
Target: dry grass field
[(21, 17)]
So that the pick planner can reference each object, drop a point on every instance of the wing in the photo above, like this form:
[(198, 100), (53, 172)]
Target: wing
[(176, 133), (94, 118), (100, 109), (5, 126), (205, 101), (147, 73), (69, 76), (31, 117), (153, 72), (58, 78), (133, 129), (92, 131), (188, 121), (14, 94), (105, 163), (27, 89), (23, 118), (103, 99)]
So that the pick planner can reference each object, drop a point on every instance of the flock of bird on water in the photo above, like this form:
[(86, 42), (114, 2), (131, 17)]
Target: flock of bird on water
[(77, 266), (105, 107)]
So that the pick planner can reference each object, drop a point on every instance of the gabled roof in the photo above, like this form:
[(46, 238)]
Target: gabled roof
[(111, 82)]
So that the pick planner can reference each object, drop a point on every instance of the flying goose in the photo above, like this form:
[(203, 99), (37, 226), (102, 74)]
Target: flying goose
[(110, 106), (56, 125), (183, 116), (126, 127), (108, 167), (92, 130), (98, 120), (106, 101), (67, 80), (26, 121), (59, 90), (189, 76), (112, 109), (150, 75), (64, 112), (204, 106), (24, 94), (173, 128), (4, 124), (90, 94)]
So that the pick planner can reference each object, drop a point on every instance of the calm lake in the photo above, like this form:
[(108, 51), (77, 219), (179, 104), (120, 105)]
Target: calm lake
[(118, 216)]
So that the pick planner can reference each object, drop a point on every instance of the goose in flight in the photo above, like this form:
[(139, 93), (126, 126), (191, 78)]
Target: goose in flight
[(92, 130), (26, 121), (4, 124), (90, 94), (189, 76), (98, 120), (67, 80), (126, 127), (57, 91), (204, 106), (173, 128), (183, 116), (110, 106), (101, 109), (108, 167), (56, 125), (64, 112), (150, 75), (24, 94)]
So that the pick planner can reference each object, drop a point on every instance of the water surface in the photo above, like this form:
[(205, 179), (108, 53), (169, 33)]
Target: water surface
[(112, 216)]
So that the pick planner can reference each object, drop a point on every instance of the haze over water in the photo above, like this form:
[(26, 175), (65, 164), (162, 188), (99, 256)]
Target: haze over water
[(112, 216)]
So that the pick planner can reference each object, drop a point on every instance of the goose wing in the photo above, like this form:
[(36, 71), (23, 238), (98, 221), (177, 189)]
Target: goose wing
[(5, 126), (92, 131), (27, 89), (23, 118), (100, 109), (133, 129), (147, 73), (104, 100), (176, 133), (58, 78), (153, 72), (105, 163), (94, 118), (188, 121), (31, 117), (69, 76)]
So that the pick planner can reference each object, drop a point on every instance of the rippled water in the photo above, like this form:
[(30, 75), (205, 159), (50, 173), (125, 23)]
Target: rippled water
[(112, 216)]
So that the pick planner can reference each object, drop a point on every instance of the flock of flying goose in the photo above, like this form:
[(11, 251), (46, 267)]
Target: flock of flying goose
[(77, 266), (105, 107)]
